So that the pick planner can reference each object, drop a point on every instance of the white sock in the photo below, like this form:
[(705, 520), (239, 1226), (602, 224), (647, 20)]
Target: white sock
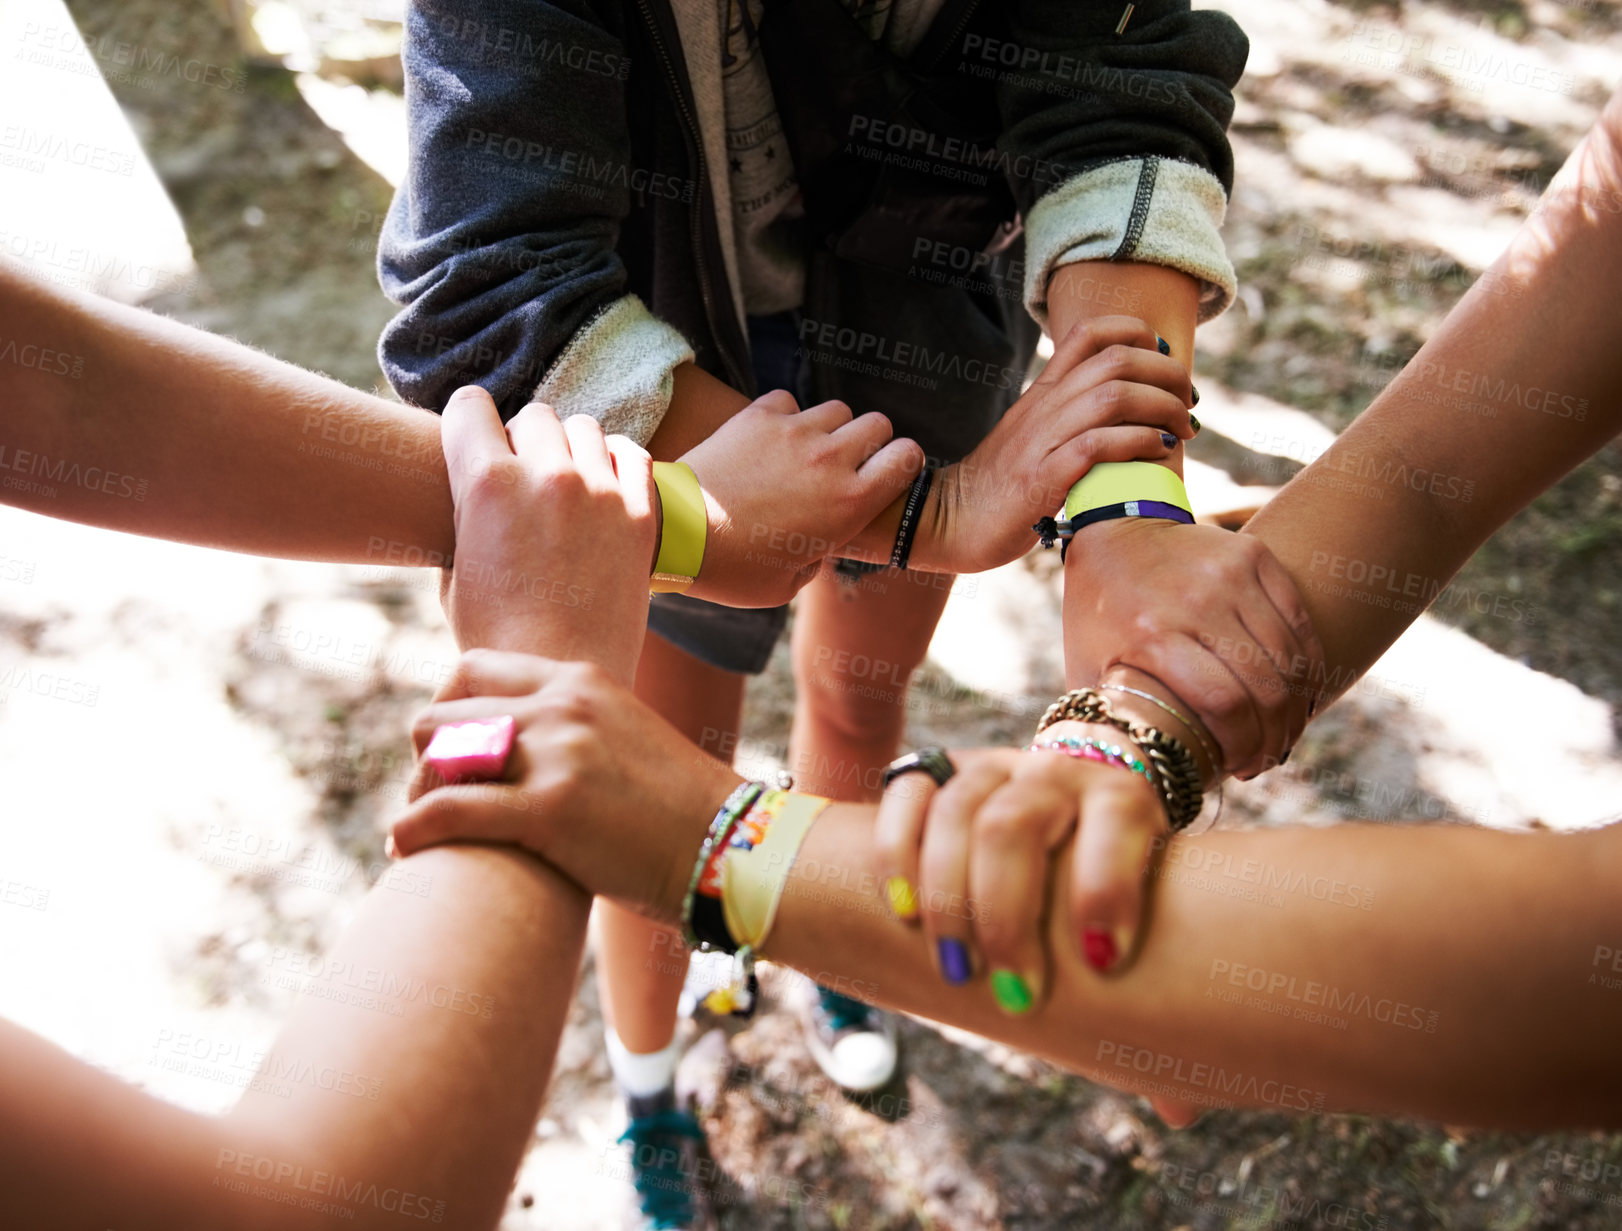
[(640, 1074)]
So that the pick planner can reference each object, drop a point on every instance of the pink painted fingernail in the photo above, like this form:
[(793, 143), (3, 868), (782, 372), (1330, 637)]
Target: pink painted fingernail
[(474, 751)]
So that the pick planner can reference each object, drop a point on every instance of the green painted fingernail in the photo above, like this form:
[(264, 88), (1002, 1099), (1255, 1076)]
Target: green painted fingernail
[(1194, 422), (1012, 992)]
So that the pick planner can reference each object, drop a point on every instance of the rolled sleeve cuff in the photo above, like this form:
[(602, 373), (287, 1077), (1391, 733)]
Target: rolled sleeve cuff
[(1154, 210), (617, 369)]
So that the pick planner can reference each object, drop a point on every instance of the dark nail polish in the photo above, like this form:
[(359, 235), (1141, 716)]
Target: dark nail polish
[(1162, 345), (1194, 394), (1167, 439), (1286, 756), (954, 960), (1194, 422)]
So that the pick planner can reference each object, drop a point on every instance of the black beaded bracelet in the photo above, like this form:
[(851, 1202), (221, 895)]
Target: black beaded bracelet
[(910, 511)]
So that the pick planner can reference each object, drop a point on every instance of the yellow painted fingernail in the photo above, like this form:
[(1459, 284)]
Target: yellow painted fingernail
[(903, 897)]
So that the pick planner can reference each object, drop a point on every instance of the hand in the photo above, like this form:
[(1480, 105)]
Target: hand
[(786, 488), (1209, 614), (587, 756), (979, 851), (555, 534), (1107, 395)]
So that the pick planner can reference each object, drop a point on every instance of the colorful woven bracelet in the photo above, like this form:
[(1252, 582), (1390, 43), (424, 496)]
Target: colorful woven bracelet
[(1089, 749), (705, 928)]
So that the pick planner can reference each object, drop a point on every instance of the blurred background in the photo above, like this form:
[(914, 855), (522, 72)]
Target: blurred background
[(241, 158)]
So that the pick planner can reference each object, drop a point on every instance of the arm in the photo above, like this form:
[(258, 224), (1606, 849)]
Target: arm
[(462, 1054), (1516, 388), (1406, 964), (138, 423)]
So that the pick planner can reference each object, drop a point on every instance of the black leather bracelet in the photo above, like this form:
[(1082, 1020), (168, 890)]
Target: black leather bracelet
[(908, 529)]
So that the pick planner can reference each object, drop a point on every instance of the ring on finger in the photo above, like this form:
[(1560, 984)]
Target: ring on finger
[(472, 751)]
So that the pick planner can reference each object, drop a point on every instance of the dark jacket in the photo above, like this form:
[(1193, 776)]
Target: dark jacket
[(557, 166)]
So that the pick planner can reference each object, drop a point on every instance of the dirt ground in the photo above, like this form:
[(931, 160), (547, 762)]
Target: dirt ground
[(1341, 146)]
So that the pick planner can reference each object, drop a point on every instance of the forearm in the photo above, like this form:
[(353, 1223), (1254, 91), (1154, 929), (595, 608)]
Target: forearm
[(455, 1002), (149, 426), (1365, 972), (1517, 387), (417, 1058)]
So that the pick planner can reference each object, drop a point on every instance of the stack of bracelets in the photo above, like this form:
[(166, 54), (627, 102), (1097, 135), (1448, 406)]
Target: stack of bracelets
[(738, 881), (1175, 774)]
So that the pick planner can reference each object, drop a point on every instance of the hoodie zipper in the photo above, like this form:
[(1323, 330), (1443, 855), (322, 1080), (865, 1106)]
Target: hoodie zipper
[(695, 149)]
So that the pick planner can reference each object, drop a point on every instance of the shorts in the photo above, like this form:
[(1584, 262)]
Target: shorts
[(741, 639)]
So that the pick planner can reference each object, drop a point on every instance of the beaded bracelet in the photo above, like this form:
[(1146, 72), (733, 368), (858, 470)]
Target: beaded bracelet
[(726, 817), (1177, 773), (1216, 761), (1089, 749)]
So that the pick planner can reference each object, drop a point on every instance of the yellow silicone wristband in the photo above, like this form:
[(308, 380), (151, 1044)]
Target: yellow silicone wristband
[(1118, 482), (753, 878), (686, 523)]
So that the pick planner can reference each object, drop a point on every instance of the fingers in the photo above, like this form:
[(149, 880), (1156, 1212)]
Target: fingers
[(1217, 696), (1266, 677), (633, 468), (589, 449), (471, 433), (888, 473), (826, 416), (864, 435), (896, 831), (537, 436), (1133, 365), (1070, 461), (496, 673), (1120, 819), (1086, 338), (943, 877), (1286, 600), (479, 811), (778, 402), (1015, 830)]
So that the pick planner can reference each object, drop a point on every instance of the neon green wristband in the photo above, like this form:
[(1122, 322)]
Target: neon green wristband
[(685, 526), (1110, 483)]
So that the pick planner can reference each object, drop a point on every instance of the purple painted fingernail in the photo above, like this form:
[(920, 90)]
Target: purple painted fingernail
[(1167, 439), (954, 960)]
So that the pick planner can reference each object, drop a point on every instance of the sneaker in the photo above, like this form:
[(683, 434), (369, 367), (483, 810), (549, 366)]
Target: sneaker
[(668, 1163), (853, 1043)]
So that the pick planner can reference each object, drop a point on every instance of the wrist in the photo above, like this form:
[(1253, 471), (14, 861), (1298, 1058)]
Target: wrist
[(703, 793), (1177, 720)]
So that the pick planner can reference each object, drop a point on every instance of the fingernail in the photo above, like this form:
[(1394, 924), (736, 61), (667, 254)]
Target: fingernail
[(1098, 946), (1194, 390), (1012, 992), (1163, 346), (389, 849), (1194, 422), (1167, 439), (954, 960), (903, 897)]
